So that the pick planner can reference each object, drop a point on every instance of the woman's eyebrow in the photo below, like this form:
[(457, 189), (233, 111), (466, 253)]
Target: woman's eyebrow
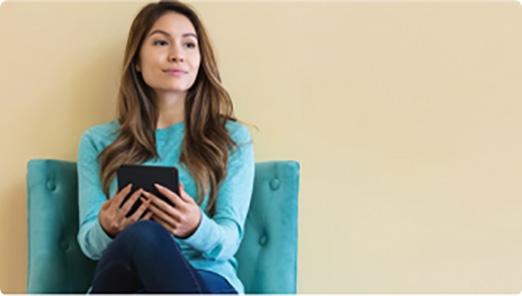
[(165, 33)]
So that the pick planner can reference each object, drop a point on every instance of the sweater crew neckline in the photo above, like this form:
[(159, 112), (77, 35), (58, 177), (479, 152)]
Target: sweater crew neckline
[(169, 130)]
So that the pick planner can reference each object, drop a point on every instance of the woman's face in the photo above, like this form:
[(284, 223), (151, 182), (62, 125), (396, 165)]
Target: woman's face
[(169, 57)]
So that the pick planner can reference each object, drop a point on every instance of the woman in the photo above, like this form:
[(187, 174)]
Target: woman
[(172, 111)]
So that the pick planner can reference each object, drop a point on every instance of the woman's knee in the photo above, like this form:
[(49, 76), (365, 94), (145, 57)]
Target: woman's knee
[(146, 232)]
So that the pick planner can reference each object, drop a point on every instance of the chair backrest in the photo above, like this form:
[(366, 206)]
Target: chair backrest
[(267, 257)]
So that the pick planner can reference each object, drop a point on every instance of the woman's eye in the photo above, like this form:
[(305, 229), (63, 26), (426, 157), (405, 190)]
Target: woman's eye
[(156, 42), (191, 45)]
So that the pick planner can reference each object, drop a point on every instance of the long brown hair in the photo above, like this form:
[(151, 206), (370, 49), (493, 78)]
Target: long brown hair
[(207, 108)]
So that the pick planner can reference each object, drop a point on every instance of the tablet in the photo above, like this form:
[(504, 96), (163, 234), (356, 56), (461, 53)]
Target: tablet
[(143, 176)]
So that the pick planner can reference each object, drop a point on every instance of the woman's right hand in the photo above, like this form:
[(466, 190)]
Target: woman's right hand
[(112, 216)]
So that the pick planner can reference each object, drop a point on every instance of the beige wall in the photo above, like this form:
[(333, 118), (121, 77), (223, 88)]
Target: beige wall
[(406, 118)]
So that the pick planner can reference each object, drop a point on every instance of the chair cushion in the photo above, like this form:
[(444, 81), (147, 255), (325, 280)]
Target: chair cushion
[(56, 263), (267, 257)]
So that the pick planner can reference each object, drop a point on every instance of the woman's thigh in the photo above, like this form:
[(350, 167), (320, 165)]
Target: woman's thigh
[(215, 283), (145, 257)]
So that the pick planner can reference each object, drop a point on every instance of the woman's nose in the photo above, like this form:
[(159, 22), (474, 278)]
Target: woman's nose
[(176, 58), (176, 54)]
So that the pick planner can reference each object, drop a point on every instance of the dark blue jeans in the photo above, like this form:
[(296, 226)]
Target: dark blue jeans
[(145, 258)]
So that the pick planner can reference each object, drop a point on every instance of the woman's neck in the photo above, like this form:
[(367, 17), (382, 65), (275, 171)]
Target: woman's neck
[(171, 110)]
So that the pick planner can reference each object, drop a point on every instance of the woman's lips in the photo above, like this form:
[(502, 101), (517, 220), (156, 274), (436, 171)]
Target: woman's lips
[(175, 73)]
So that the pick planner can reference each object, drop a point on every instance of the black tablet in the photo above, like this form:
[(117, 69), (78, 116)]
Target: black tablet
[(143, 176)]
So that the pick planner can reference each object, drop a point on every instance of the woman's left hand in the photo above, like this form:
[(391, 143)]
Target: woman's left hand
[(181, 220)]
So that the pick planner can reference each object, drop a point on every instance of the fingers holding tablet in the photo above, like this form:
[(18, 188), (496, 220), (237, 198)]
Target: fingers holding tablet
[(135, 217), (114, 217), (127, 205)]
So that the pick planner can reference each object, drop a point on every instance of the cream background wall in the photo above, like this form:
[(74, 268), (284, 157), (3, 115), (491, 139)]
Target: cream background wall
[(405, 117)]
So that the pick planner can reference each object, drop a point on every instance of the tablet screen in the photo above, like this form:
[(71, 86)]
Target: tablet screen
[(143, 176)]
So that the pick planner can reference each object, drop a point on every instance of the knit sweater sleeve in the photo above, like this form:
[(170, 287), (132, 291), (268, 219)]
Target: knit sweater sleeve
[(91, 237), (219, 237)]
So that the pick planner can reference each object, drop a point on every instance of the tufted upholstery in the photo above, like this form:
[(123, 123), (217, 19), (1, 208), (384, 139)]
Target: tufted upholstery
[(267, 256)]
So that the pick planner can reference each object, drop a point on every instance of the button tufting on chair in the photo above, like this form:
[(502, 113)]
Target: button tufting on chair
[(57, 265), (263, 239), (51, 185), (274, 183)]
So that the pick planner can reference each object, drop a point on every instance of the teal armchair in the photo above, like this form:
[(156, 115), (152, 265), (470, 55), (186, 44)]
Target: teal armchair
[(267, 257)]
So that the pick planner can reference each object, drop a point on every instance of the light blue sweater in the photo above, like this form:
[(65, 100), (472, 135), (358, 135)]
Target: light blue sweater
[(213, 245)]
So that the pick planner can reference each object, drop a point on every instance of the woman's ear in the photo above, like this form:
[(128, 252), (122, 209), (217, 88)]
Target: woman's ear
[(136, 66)]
